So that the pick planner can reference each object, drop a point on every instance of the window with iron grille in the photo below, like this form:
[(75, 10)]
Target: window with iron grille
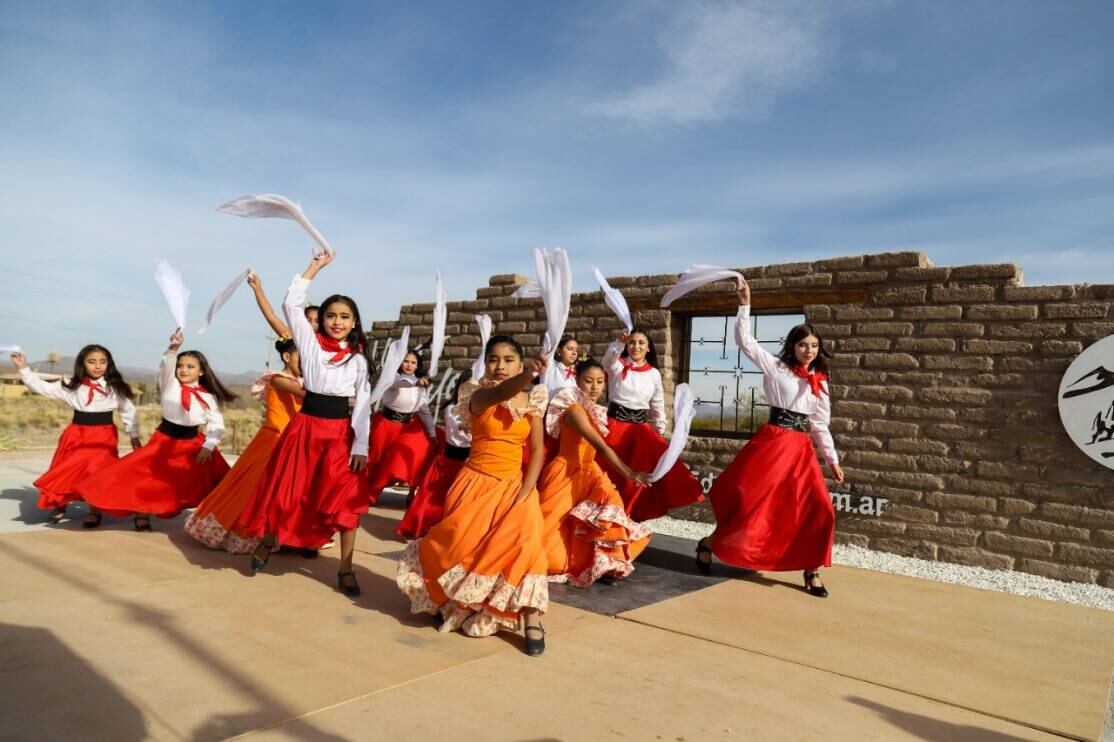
[(728, 387)]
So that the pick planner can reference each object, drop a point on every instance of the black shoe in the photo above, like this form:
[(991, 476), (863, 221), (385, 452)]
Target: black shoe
[(260, 556), (814, 590), (56, 515), (705, 567), (609, 579), (308, 553), (534, 647), (142, 522), (346, 582), (92, 520)]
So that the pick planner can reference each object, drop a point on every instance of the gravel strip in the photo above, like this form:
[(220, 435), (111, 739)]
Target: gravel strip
[(1015, 583)]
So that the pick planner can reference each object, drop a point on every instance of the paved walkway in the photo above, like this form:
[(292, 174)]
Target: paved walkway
[(117, 635)]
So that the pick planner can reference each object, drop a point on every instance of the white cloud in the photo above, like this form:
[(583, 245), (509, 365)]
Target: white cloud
[(725, 60)]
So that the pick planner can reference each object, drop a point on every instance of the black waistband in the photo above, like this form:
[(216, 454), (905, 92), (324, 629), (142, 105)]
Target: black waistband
[(92, 418), (457, 453), (174, 430), (398, 417), (325, 405), (788, 419), (626, 414)]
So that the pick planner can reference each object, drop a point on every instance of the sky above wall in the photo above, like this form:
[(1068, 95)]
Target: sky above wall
[(641, 136)]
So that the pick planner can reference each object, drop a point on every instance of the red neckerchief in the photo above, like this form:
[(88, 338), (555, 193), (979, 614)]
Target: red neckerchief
[(332, 345), (570, 373), (188, 393), (814, 379), (94, 387), (628, 366)]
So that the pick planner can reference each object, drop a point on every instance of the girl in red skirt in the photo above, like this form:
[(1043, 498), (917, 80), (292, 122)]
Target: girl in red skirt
[(313, 485), (428, 505), (88, 444), (179, 465), (403, 437), (773, 510), (636, 423)]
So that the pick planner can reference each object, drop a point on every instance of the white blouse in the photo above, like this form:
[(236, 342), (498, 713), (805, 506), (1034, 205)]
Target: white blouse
[(557, 377), (78, 399), (785, 389), (641, 390), (170, 395), (455, 434), (321, 376), (407, 397)]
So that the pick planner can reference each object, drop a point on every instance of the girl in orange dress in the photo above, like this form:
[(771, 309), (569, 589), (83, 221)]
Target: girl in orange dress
[(588, 534), (483, 567), (214, 521)]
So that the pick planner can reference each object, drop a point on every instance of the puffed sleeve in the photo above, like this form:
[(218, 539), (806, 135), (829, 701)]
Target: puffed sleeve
[(561, 403), (818, 421), (765, 360)]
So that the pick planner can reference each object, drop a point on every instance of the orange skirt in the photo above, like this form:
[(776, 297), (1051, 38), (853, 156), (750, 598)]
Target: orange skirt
[(162, 478), (83, 450), (214, 521), (484, 564), (588, 534)]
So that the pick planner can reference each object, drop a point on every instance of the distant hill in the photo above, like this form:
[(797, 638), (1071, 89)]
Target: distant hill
[(65, 366)]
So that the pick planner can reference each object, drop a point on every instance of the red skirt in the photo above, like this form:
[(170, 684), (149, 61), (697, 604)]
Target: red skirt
[(307, 492), (83, 450), (428, 507), (640, 447), (397, 452), (162, 478), (773, 510)]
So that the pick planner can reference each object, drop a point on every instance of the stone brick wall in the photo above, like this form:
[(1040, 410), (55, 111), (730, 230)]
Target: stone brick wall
[(944, 398)]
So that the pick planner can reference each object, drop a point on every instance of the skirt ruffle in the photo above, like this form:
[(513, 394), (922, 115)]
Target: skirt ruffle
[(773, 510), (588, 533), (484, 564), (162, 478), (308, 492), (82, 451), (640, 447)]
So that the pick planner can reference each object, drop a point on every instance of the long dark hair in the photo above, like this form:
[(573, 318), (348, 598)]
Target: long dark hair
[(788, 355), (586, 364), (417, 351), (209, 381), (503, 340), (356, 338), (112, 376), (651, 354)]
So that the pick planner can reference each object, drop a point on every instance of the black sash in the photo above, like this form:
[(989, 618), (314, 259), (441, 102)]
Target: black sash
[(790, 420), (626, 414), (398, 417), (326, 406), (92, 418), (457, 453), (174, 430)]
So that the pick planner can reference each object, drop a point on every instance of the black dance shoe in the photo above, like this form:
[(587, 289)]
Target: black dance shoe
[(92, 520), (705, 567), (817, 591), (346, 583), (260, 556), (56, 515), (534, 647), (142, 522)]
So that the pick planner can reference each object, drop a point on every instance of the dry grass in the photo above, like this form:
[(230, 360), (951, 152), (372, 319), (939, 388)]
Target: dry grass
[(36, 422)]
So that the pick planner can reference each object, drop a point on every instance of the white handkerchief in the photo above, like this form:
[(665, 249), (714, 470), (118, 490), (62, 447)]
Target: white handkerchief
[(10, 349), (684, 409), (555, 280), (614, 299), (175, 291), (695, 277), (272, 205), (396, 352), (528, 290), (222, 297), (447, 379), (440, 316), (485, 334)]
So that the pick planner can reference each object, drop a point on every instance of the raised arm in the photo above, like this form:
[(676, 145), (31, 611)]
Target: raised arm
[(277, 325), (31, 380), (611, 356), (295, 301), (577, 419), (744, 338), (485, 397), (169, 363)]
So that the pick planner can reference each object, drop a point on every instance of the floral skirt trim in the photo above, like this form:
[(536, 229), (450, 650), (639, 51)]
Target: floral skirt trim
[(610, 555), (210, 532), (478, 605)]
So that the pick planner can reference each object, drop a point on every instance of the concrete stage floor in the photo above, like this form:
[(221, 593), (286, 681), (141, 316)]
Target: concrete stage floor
[(117, 635)]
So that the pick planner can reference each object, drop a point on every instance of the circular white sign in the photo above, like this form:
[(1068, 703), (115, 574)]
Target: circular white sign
[(1086, 401)]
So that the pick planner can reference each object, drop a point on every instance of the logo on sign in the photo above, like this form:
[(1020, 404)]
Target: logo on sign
[(1086, 401)]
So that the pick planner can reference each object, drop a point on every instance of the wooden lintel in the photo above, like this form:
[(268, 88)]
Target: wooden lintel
[(727, 303)]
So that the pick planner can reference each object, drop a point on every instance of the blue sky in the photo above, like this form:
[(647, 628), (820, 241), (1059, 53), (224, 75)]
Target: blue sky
[(641, 136)]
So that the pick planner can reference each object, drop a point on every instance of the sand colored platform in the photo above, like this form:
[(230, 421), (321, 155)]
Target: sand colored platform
[(117, 635), (1043, 664)]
